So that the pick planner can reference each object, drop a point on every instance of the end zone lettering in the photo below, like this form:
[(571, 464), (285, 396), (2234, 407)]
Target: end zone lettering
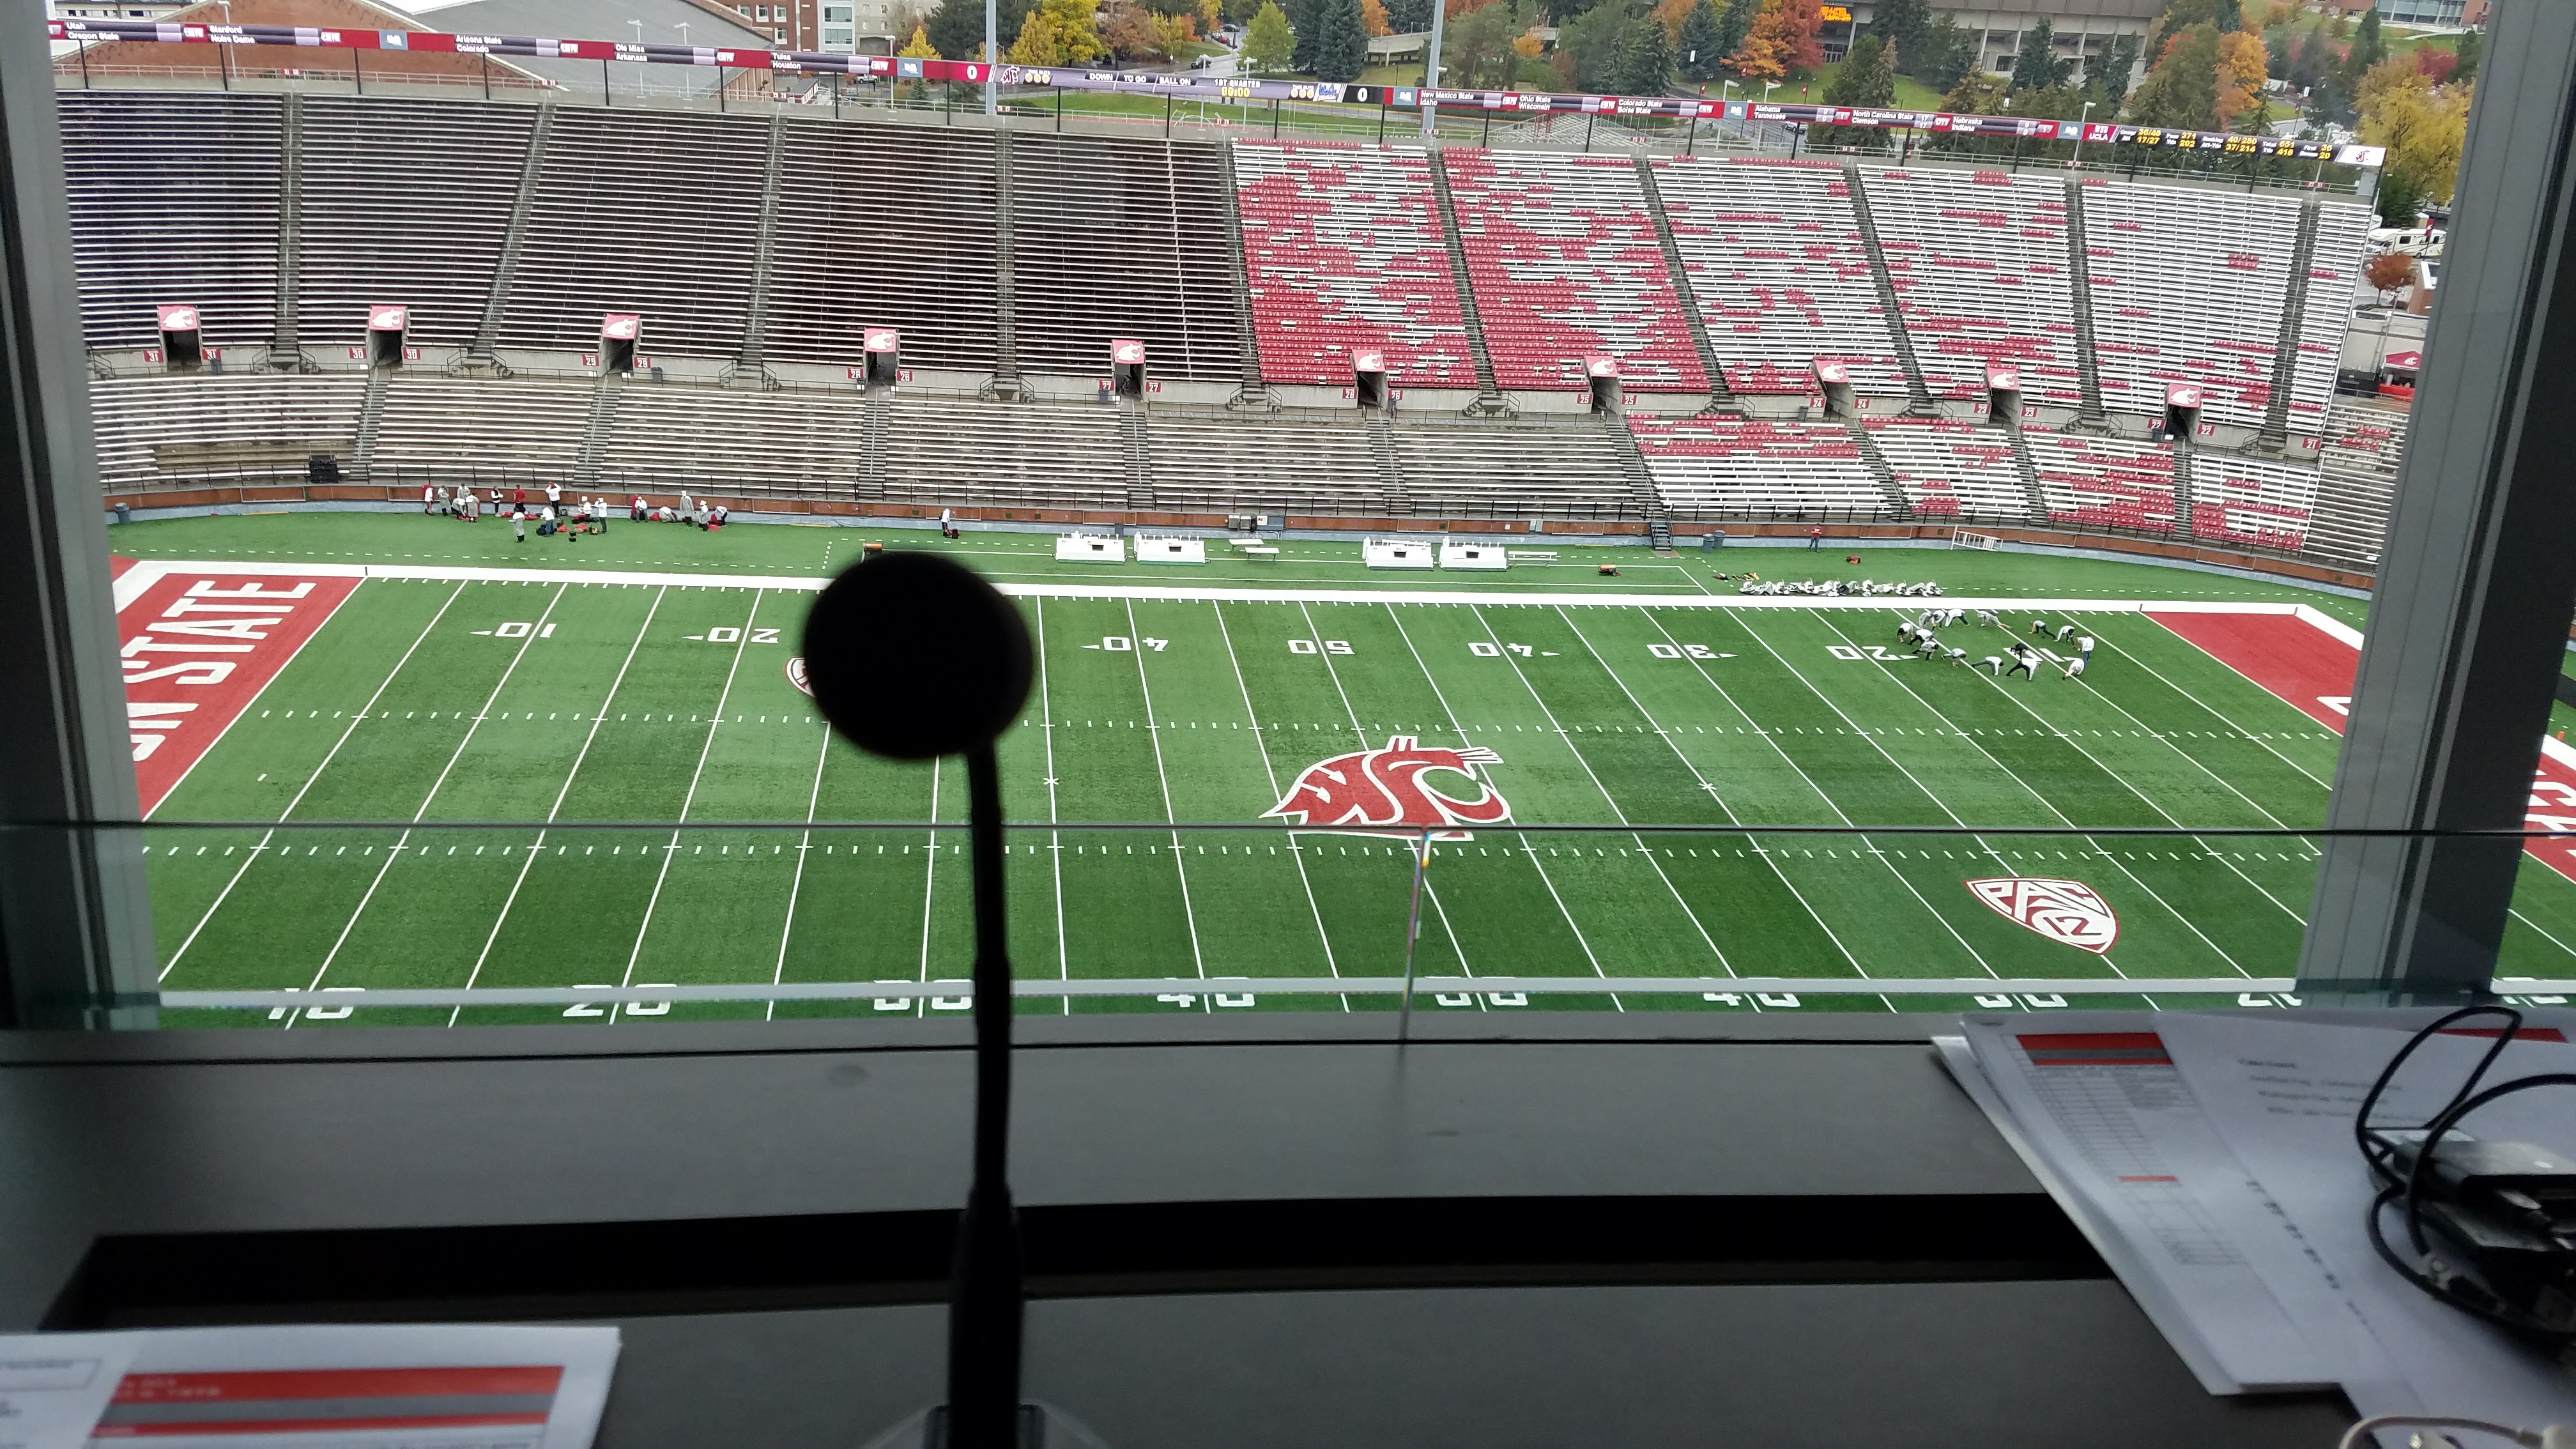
[(196, 649)]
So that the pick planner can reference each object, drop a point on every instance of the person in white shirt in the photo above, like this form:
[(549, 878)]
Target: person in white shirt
[(2075, 667), (1993, 664), (1957, 656), (2025, 661), (1927, 644), (640, 508), (948, 523), (2065, 632), (428, 499), (2084, 645), (1985, 618), (554, 493)]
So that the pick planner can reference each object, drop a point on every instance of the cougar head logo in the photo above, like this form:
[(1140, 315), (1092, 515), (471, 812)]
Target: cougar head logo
[(1385, 789)]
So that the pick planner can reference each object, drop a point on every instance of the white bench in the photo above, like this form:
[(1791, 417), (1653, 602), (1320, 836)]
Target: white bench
[(1532, 555), (1259, 550)]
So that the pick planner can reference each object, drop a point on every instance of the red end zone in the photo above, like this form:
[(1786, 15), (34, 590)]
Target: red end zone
[(197, 648), (2313, 670)]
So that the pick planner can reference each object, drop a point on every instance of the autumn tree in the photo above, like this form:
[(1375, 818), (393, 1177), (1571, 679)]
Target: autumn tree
[(1976, 94), (1373, 18), (1341, 49), (1478, 46), (1700, 45), (1588, 48), (1267, 46), (919, 47), (1765, 53), (2423, 128), (2240, 74), (2388, 271)]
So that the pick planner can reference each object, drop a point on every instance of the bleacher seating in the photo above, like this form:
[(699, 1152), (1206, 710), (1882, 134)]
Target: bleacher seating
[(174, 198), (175, 432), (1953, 469), (1780, 272), (439, 430), (1343, 249), (403, 201), (1121, 237), (2357, 479), (886, 226), (776, 444), (2104, 482), (2188, 287), (1319, 468), (2334, 269), (1002, 456), (1487, 469), (1565, 263), (2251, 500), (654, 215), (1721, 467), (1982, 275)]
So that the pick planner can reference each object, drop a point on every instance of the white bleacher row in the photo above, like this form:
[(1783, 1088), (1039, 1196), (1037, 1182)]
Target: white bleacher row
[(2334, 269), (1488, 470), (767, 443), (2188, 287), (2103, 482), (441, 425), (999, 455), (173, 432), (886, 226), (1713, 467), (2356, 481), (403, 201), (1344, 249), (1566, 262), (1122, 237), (1982, 275), (2251, 500), (174, 198), (1953, 468), (657, 219), (1317, 468), (1779, 270)]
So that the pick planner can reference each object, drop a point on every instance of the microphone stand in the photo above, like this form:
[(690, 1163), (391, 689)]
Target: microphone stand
[(985, 1290)]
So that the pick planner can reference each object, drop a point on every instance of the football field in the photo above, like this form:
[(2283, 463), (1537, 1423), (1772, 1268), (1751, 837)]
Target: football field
[(1686, 733)]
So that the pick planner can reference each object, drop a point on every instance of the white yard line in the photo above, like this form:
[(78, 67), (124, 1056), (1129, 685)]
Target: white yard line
[(1055, 838), (1154, 732), (1526, 848), (2049, 805), (394, 851), (671, 850), (528, 862), (1710, 788), (796, 883), (1270, 773), (334, 753)]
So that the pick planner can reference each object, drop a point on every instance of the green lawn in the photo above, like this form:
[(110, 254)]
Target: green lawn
[(534, 683)]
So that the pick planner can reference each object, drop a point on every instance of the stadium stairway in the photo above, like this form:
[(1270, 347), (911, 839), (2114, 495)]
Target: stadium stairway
[(1898, 506), (749, 368), (2034, 497), (285, 354), (1918, 395), (1721, 398), (1489, 394), (1005, 382), (479, 354), (371, 420), (2274, 435), (2185, 520), (2089, 415), (1252, 392), (1390, 464), (594, 435), (1136, 445), (1641, 480), (870, 482)]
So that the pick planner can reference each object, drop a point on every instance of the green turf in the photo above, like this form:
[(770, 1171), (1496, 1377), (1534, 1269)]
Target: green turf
[(641, 706)]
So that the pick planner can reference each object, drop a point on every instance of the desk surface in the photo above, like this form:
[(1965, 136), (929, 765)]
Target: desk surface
[(247, 1132)]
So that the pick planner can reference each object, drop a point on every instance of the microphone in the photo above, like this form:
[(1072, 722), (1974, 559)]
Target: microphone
[(913, 656)]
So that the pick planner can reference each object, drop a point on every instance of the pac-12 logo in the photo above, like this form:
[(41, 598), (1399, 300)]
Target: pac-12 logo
[(796, 675), (2066, 911), (1385, 789)]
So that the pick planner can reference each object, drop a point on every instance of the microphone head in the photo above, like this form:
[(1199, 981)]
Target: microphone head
[(912, 656)]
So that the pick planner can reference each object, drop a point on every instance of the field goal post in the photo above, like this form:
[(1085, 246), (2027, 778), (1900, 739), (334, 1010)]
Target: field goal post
[(1962, 538)]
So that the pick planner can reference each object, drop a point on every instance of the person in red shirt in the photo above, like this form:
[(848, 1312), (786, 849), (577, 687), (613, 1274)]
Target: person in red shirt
[(1815, 538)]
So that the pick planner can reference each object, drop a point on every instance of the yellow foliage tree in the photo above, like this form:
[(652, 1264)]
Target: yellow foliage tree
[(2423, 129), (1211, 17), (919, 47), (1038, 44), (1373, 18), (1071, 22), (1672, 13), (1527, 45), (2241, 73), (1767, 46)]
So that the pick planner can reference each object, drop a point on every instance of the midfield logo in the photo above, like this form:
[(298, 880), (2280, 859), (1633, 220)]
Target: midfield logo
[(1384, 788), (796, 675), (2067, 911)]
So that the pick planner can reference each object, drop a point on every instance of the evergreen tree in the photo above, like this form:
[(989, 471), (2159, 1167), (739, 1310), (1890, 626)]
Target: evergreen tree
[(2399, 200), (1589, 46), (1305, 19), (1268, 46), (2470, 44), (2182, 92), (2036, 66), (1341, 42), (1948, 55), (2367, 48), (1902, 24), (1703, 41), (1645, 60), (1408, 17), (957, 26), (2118, 71), (2230, 15), (1867, 78), (1734, 22)]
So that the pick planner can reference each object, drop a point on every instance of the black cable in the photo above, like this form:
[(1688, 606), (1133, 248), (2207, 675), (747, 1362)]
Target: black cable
[(2375, 1155)]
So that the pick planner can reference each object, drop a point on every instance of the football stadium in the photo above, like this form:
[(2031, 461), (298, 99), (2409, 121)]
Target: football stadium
[(1678, 571)]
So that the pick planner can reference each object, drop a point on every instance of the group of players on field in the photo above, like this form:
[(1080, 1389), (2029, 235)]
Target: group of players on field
[(2016, 659)]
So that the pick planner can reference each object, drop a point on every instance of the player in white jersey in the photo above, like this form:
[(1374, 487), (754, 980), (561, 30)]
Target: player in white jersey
[(2084, 645), (1953, 616), (2075, 667), (1927, 644), (2039, 628), (1986, 619), (2025, 660), (1993, 664), (2065, 632), (1956, 655), (1905, 630)]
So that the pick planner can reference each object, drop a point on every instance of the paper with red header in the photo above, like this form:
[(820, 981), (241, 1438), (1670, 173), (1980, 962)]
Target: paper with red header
[(444, 1386)]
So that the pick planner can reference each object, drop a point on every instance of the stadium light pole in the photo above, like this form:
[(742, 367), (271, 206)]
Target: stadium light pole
[(2078, 162), (992, 60), (1431, 66)]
